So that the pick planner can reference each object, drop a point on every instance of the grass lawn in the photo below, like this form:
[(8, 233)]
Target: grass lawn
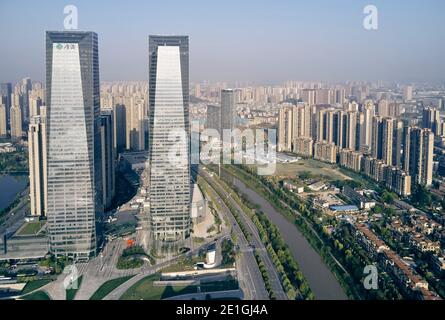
[(33, 285), (108, 286), (71, 293), (31, 228), (316, 168), (38, 295), (145, 290)]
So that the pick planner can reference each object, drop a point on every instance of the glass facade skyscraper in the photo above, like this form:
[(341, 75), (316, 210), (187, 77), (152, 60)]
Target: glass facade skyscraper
[(169, 140), (74, 194), (227, 109)]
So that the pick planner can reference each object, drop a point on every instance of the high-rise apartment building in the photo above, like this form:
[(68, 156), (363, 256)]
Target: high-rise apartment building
[(366, 135), (214, 118), (3, 121), (16, 122), (308, 96), (398, 140), (169, 136), (74, 191), (330, 126), (351, 130), (377, 132), (285, 126), (25, 88), (321, 125), (34, 106), (135, 117), (37, 165), (418, 155), (298, 120), (408, 93), (386, 140), (383, 108), (5, 93), (431, 120), (340, 122)]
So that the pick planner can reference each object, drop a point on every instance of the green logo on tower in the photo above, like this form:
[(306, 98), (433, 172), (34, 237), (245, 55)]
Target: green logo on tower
[(59, 46)]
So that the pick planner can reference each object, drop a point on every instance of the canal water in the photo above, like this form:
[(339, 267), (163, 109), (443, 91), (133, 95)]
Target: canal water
[(322, 281), (10, 187)]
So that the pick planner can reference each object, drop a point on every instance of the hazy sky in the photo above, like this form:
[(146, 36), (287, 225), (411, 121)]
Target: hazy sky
[(262, 41)]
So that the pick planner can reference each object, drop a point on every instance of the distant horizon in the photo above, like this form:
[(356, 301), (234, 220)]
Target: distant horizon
[(263, 42), (440, 83)]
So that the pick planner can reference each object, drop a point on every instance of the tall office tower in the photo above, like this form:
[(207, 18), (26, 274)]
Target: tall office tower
[(3, 121), (74, 192), (366, 137), (418, 154), (16, 122), (6, 92), (383, 108), (308, 96), (398, 140), (170, 193), (431, 120), (285, 124), (214, 118), (37, 165), (387, 140), (377, 132), (25, 88), (108, 156), (227, 109), (408, 93), (120, 127), (351, 130)]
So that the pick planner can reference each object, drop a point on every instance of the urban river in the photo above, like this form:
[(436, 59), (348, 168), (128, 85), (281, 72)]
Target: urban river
[(323, 283), (10, 186)]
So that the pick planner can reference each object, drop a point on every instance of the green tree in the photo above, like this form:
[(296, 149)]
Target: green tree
[(421, 196)]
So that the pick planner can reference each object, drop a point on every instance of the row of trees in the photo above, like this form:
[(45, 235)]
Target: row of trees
[(14, 161), (265, 275), (291, 276), (228, 252)]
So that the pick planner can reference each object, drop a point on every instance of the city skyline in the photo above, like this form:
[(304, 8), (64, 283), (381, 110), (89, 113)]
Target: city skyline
[(399, 50), (165, 188)]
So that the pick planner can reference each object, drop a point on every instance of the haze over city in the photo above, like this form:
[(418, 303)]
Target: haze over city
[(246, 41)]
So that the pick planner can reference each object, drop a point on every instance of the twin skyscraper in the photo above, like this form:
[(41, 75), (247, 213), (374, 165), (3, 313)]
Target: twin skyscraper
[(74, 191)]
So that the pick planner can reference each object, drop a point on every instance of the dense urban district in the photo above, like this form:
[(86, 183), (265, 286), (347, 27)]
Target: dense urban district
[(92, 206)]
